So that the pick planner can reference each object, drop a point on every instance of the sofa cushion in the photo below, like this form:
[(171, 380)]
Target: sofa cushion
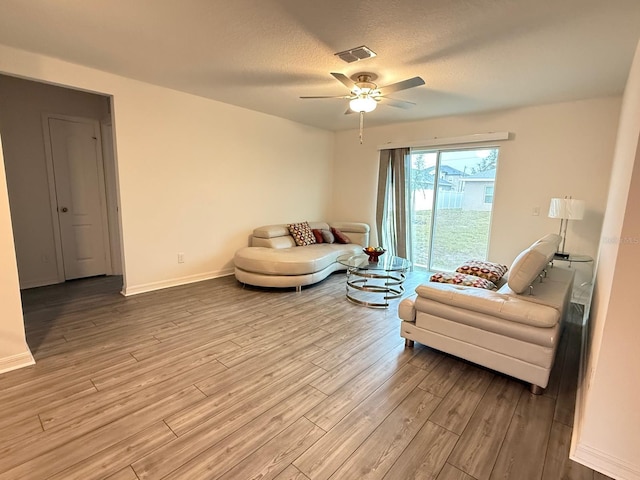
[(508, 307), (351, 227), (552, 290), (358, 232), (489, 270), (302, 234), (529, 265), (286, 241), (497, 334), (271, 231), (319, 225), (291, 261), (449, 320), (462, 279)]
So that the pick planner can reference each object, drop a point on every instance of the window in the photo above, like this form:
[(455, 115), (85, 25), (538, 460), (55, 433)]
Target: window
[(449, 206), (488, 194)]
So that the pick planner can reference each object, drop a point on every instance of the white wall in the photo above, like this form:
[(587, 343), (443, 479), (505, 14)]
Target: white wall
[(22, 104), (14, 352), (607, 435), (195, 175), (556, 150)]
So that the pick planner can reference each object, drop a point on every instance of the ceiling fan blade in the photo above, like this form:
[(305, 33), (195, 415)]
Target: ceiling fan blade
[(334, 96), (346, 81), (349, 111), (393, 102), (403, 85)]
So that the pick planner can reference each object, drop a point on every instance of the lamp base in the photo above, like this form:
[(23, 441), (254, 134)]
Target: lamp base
[(561, 255)]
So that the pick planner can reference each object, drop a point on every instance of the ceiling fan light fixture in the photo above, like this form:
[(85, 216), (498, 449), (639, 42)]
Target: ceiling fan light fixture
[(363, 103), (365, 95)]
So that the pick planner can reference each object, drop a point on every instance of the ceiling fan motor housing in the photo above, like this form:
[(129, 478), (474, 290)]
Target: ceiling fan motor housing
[(364, 84)]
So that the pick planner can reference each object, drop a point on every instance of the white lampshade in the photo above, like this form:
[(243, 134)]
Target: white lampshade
[(567, 208), (363, 104)]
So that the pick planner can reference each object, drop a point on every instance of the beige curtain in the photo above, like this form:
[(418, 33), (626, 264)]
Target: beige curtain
[(391, 208)]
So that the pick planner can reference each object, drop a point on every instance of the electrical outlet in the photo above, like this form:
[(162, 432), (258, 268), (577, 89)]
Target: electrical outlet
[(180, 257), (536, 211), (45, 258)]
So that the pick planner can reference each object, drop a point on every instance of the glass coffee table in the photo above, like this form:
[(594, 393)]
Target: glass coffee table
[(373, 284)]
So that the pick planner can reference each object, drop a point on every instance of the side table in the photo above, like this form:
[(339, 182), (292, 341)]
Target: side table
[(573, 259), (582, 291)]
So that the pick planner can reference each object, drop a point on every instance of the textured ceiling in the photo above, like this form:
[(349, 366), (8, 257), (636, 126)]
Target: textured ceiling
[(475, 55)]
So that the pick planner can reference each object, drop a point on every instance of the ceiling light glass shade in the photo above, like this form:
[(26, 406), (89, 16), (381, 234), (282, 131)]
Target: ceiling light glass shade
[(567, 208), (363, 104)]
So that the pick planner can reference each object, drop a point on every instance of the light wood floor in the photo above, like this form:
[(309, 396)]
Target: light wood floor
[(213, 380)]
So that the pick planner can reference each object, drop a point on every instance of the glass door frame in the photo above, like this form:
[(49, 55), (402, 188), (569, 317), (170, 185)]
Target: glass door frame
[(410, 203)]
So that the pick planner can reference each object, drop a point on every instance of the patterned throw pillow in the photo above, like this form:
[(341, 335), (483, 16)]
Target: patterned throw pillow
[(301, 233), (491, 271), (462, 279), (339, 236)]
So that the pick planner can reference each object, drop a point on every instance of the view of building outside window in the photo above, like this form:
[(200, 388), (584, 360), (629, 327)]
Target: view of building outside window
[(451, 199)]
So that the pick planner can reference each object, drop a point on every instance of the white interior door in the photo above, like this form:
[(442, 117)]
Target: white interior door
[(79, 188)]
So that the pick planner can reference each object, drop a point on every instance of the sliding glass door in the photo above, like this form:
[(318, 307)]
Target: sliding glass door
[(450, 196)]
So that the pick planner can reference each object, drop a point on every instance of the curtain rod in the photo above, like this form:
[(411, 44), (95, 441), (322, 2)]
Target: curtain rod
[(432, 142)]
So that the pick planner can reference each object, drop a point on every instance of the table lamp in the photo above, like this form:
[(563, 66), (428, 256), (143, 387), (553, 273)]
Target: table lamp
[(565, 209)]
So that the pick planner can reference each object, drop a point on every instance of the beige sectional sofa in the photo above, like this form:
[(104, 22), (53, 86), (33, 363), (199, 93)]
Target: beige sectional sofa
[(274, 260), (514, 330)]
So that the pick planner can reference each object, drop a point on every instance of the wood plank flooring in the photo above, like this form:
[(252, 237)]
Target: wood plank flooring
[(213, 380)]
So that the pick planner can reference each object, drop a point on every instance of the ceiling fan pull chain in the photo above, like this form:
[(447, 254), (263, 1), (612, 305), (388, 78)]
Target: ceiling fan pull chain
[(361, 125)]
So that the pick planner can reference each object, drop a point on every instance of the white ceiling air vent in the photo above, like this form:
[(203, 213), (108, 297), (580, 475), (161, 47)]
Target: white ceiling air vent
[(355, 54)]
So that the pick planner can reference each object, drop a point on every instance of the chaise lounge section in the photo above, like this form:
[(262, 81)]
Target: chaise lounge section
[(273, 258), (514, 330)]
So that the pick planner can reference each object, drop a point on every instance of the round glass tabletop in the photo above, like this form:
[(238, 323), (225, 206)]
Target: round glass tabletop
[(388, 263)]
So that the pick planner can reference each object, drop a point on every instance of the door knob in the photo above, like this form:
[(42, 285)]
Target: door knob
[(64, 209)]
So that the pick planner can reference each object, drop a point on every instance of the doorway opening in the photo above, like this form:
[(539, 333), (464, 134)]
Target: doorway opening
[(61, 175), (61, 181)]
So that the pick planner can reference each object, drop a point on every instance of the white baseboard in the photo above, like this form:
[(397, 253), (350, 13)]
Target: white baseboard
[(605, 463), (14, 362), (175, 282)]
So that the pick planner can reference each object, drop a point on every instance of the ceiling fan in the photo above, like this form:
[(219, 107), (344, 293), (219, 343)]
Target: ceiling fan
[(365, 95)]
